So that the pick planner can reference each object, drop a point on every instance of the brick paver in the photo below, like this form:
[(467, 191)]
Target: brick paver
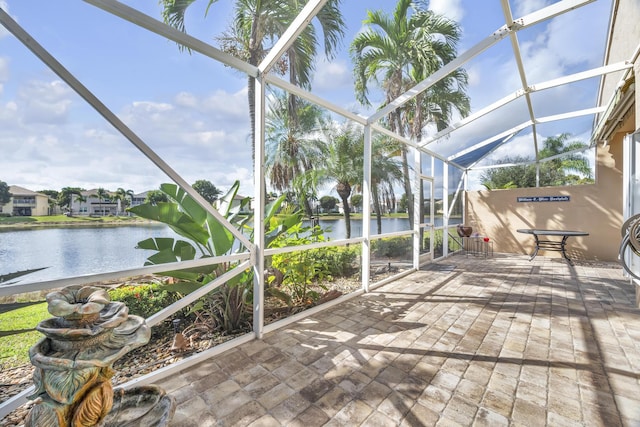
[(486, 342)]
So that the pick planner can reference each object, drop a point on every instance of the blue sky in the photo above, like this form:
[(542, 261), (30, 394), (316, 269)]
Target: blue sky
[(193, 112)]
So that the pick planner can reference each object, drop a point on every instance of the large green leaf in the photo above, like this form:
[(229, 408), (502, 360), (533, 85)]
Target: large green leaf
[(221, 238), (187, 203), (178, 221), (168, 250), (225, 203)]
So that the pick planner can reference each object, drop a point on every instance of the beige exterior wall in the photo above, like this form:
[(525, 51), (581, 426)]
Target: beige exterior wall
[(41, 207), (594, 208), (597, 208)]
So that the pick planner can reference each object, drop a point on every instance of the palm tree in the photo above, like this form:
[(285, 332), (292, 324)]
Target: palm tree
[(124, 197), (342, 163), (292, 148), (80, 199), (554, 172), (386, 171), (102, 195), (396, 52), (65, 197), (258, 23)]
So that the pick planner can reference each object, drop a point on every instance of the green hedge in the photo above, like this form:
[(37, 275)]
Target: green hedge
[(143, 299)]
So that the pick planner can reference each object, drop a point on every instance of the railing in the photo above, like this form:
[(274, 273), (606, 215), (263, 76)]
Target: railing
[(244, 261)]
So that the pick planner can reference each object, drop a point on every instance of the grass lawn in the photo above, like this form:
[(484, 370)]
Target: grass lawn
[(14, 349)]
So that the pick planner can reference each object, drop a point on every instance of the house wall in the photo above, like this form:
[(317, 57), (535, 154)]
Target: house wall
[(594, 208), (39, 206)]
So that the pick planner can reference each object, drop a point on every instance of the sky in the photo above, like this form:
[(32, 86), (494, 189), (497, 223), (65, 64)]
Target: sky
[(192, 111)]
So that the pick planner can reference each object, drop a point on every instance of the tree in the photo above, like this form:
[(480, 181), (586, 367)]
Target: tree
[(328, 203), (403, 203), (554, 172), (124, 197), (65, 198), (207, 190), (102, 195), (396, 52), (256, 26), (385, 173), (5, 194), (155, 196), (557, 171), (293, 148), (342, 165), (356, 201)]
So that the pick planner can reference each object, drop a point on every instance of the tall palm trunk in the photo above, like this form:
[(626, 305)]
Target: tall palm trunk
[(406, 178), (344, 190), (376, 206)]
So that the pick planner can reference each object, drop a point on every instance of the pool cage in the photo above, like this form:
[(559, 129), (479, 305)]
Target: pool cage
[(436, 175)]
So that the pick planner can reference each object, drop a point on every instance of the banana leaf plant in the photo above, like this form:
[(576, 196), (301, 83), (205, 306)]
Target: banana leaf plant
[(204, 235)]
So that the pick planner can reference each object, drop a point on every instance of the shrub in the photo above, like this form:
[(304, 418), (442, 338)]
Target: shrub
[(144, 299), (392, 247)]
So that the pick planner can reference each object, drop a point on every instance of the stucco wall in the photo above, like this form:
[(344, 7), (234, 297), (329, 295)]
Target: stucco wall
[(623, 40), (594, 208)]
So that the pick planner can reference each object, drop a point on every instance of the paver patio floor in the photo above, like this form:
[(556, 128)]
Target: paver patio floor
[(485, 342)]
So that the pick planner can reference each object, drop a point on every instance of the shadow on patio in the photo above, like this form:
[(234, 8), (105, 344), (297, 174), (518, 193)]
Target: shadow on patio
[(473, 341)]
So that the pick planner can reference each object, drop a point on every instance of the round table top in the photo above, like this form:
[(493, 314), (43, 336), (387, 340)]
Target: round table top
[(552, 232)]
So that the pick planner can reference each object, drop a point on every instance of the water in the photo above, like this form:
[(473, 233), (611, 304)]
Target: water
[(68, 252), (75, 251)]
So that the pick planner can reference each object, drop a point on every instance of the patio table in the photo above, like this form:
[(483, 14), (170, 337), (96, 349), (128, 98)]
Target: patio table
[(551, 245)]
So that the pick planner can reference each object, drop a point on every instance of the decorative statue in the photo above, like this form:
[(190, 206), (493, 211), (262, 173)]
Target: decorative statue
[(74, 365)]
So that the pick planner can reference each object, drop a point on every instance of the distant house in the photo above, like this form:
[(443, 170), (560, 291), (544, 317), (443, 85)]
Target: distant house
[(138, 199), (25, 202), (90, 205), (237, 200)]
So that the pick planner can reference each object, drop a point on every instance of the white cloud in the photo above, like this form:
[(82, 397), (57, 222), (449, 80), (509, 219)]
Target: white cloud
[(44, 102), (452, 9), (333, 75), (199, 136), (524, 7)]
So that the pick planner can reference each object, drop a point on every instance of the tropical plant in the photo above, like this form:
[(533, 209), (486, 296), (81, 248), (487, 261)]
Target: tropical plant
[(65, 198), (292, 148), (207, 237), (342, 164), (298, 269), (257, 24), (103, 196), (396, 52), (207, 190), (124, 197), (385, 173)]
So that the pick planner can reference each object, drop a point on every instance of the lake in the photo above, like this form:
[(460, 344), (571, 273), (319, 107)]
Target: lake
[(68, 252)]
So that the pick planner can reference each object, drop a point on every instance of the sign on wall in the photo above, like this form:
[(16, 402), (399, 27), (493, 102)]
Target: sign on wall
[(544, 199)]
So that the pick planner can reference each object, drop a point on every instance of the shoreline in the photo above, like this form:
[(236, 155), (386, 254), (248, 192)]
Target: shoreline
[(75, 224)]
